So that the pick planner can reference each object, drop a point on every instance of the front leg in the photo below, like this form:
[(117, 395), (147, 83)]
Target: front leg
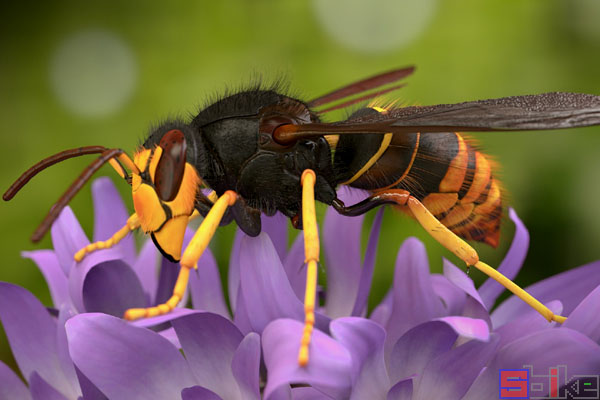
[(132, 224), (190, 258)]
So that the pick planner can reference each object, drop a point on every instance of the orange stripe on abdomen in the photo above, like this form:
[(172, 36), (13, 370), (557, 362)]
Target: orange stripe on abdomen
[(481, 177), (455, 175), (473, 210)]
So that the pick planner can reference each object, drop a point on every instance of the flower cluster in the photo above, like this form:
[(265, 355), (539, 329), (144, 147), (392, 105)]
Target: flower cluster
[(433, 335)]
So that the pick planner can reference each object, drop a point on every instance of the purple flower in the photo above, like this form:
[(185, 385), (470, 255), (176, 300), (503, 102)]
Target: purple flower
[(108, 281), (433, 335), (131, 279)]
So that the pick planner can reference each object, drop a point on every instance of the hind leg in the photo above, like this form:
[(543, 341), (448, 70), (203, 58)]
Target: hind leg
[(448, 239)]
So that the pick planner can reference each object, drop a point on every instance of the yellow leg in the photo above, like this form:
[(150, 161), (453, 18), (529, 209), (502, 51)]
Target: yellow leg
[(311, 252), (190, 258), (466, 253), (212, 196), (194, 215), (132, 223)]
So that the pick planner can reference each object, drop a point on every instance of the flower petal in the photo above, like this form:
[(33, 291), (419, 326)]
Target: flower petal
[(241, 318), (308, 393), (541, 350), (511, 265), (461, 280), (167, 277), (452, 296), (42, 390), (527, 323), (205, 286), (124, 361), (417, 347), (277, 229), (246, 366), (584, 317), (62, 350), (112, 287), (474, 306), (233, 278), (569, 287), (145, 267), (110, 215), (11, 387), (88, 389), (401, 391), (364, 339), (78, 274), (168, 274), (198, 393), (31, 333), (450, 375), (283, 392), (328, 369), (469, 328), (171, 336), (67, 238), (381, 313), (209, 342), (265, 288), (341, 239), (366, 276), (414, 300), (54, 275), (295, 268)]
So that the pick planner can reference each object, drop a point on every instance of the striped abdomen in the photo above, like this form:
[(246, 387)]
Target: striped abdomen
[(442, 170)]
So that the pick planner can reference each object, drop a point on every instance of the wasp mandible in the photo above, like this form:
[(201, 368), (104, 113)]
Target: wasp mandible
[(261, 151)]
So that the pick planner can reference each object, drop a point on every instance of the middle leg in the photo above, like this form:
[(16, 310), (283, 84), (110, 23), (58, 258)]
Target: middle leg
[(190, 258), (311, 255)]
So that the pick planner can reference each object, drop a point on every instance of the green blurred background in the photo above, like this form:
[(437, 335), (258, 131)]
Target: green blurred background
[(74, 74)]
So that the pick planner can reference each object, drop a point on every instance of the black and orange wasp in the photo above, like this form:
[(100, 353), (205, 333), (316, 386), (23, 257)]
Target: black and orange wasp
[(261, 151)]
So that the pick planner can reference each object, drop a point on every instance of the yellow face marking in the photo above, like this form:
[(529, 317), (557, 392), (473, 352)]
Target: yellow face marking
[(170, 236), (141, 157), (148, 207), (136, 181), (183, 203), (154, 162)]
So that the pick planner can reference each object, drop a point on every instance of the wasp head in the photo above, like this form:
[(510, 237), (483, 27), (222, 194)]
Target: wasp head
[(164, 191)]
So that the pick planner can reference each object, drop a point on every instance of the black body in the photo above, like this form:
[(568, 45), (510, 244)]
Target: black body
[(230, 143), (259, 142)]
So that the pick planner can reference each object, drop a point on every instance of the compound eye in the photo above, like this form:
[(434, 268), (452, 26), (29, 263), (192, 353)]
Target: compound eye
[(170, 167)]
